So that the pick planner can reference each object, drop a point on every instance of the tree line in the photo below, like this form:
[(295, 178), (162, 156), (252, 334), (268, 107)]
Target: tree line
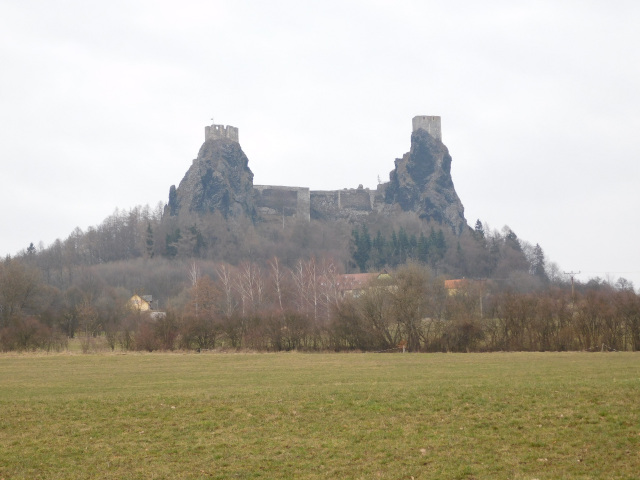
[(373, 243), (280, 285), (308, 306)]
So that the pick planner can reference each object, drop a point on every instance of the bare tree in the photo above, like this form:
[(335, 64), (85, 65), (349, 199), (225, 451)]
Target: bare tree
[(250, 285), (226, 278), (18, 287), (277, 280), (329, 294), (415, 300), (194, 276)]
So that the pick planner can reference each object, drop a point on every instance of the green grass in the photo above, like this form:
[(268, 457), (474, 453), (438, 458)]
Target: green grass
[(449, 416)]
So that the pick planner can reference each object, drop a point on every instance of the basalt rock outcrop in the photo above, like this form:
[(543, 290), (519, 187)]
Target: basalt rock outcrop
[(219, 180), (421, 182)]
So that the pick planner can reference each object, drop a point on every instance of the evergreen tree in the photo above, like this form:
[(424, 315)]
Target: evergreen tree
[(413, 246), (191, 243), (460, 260), (172, 240), (423, 248), (538, 263), (404, 245), (379, 256), (362, 247), (437, 246), (395, 250), (149, 241), (511, 239), (479, 230)]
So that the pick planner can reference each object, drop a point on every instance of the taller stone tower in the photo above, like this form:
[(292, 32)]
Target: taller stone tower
[(429, 123)]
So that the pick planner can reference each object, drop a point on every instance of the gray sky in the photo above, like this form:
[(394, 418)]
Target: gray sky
[(103, 105)]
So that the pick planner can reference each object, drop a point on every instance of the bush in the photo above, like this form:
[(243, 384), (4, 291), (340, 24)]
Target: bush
[(145, 337), (198, 333), (28, 333)]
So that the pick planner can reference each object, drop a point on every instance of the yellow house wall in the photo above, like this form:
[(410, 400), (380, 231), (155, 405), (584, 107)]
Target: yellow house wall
[(138, 303)]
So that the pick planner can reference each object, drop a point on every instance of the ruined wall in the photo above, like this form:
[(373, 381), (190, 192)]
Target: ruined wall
[(431, 124), (346, 203), (275, 202), (358, 199), (325, 205), (221, 131)]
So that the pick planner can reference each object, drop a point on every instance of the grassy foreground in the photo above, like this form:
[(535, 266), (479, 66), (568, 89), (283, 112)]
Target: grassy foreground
[(465, 416)]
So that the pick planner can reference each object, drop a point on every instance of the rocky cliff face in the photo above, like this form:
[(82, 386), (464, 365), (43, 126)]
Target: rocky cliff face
[(421, 182), (219, 180)]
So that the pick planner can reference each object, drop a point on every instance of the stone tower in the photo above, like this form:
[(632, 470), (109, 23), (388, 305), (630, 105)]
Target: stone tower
[(429, 123), (221, 131)]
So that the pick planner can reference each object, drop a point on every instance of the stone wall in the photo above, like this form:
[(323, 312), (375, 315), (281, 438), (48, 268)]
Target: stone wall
[(273, 201), (325, 205), (357, 199), (346, 203)]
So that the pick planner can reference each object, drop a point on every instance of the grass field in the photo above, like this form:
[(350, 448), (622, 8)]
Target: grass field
[(289, 415)]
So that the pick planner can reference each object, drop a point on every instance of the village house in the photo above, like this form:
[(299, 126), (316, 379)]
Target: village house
[(141, 303)]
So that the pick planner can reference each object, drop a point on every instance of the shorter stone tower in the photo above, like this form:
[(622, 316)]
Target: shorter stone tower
[(221, 131), (429, 123)]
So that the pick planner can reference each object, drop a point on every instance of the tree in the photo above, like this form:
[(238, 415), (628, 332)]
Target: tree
[(379, 256), (305, 279), (191, 242), (362, 248), (624, 284), (404, 245), (376, 307), (194, 275), (328, 287), (423, 248), (437, 247), (149, 241), (479, 230), (511, 240), (88, 321), (166, 331), (250, 285), (228, 303), (278, 283), (414, 301), (19, 284), (538, 263), (628, 311)]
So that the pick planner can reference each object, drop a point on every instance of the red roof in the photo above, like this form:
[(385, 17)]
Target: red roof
[(455, 284), (354, 281)]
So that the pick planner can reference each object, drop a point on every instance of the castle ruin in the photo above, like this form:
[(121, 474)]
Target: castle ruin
[(221, 131), (429, 123), (274, 203)]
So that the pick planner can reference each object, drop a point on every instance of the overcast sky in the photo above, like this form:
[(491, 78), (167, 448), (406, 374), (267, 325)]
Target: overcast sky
[(104, 104)]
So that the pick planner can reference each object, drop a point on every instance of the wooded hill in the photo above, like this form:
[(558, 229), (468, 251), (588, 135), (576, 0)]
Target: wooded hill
[(224, 276)]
